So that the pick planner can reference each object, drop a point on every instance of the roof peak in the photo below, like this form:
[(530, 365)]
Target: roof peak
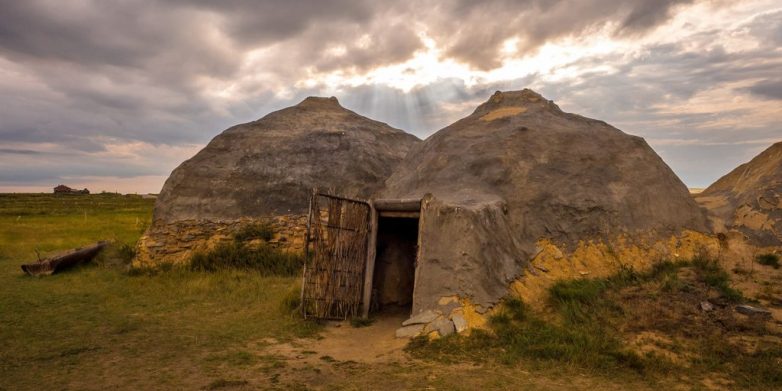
[(523, 93), (520, 100), (320, 102)]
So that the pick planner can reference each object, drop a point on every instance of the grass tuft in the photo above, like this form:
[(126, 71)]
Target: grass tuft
[(579, 291), (716, 277), (291, 302), (223, 383), (117, 255), (241, 254), (768, 260), (361, 322), (236, 255), (257, 230)]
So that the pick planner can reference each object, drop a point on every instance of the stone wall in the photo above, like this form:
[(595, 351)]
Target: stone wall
[(175, 243)]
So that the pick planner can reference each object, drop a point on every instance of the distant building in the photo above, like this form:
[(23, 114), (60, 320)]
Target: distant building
[(62, 189)]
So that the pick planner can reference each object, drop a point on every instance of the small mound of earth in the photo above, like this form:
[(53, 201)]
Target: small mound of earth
[(749, 199), (670, 315)]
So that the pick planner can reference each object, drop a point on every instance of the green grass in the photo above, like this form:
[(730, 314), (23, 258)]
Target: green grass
[(583, 331), (581, 337), (255, 230), (768, 260), (48, 223), (261, 258), (361, 322), (98, 325), (244, 253), (717, 278)]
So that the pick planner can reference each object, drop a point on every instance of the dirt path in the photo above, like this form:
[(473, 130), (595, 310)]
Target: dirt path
[(340, 341), (371, 357)]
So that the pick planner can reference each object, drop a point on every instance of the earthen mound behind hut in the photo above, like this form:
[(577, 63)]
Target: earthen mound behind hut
[(749, 199)]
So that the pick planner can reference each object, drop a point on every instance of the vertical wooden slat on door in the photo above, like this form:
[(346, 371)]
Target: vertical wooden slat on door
[(336, 257)]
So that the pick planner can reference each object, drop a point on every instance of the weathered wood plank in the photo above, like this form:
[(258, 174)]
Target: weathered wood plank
[(369, 269), (404, 205), (59, 263)]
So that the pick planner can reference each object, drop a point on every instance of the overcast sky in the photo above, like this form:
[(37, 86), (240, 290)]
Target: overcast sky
[(112, 95)]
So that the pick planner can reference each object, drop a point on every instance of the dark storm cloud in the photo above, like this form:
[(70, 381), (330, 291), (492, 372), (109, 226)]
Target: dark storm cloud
[(94, 34), (644, 15), (11, 151), (767, 89), (134, 70), (178, 39), (477, 30), (253, 22)]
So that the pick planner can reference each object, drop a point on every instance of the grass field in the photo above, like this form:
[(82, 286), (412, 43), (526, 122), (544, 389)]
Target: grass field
[(100, 326)]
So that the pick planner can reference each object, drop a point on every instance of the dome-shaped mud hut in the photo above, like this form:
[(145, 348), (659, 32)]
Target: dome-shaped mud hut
[(515, 196), (266, 169)]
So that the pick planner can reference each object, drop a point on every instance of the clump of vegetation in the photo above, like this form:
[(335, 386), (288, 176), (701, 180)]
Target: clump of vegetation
[(265, 259), (582, 338), (717, 278), (768, 260), (116, 255), (257, 230), (241, 254), (590, 318), (518, 334), (126, 252), (291, 303), (223, 383), (358, 322)]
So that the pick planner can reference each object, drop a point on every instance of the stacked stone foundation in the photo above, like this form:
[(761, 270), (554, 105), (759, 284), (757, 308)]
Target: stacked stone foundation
[(176, 242)]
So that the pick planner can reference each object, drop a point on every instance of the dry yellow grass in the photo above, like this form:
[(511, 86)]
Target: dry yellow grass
[(503, 112)]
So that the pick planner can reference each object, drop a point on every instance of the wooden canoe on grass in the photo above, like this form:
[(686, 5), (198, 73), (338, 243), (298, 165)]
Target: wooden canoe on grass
[(58, 263)]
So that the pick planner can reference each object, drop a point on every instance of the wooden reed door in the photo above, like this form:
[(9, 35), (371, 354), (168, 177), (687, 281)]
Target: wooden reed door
[(337, 235)]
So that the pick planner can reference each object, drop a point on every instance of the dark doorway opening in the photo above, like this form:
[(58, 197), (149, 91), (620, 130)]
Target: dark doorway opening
[(394, 276)]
